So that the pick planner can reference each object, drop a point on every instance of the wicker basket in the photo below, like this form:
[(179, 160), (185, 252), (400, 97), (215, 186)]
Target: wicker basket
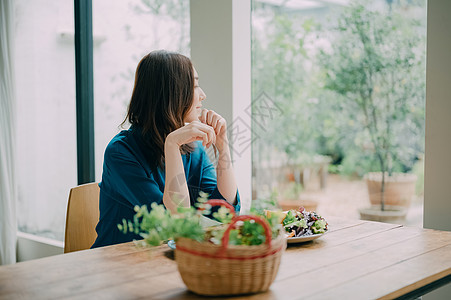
[(213, 270)]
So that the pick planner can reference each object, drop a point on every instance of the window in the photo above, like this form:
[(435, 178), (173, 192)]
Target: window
[(46, 133), (45, 81), (316, 62), (123, 33)]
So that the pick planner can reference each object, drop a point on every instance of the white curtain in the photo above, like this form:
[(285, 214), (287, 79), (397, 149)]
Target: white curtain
[(8, 190)]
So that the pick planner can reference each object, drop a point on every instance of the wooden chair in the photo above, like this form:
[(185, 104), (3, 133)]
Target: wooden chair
[(82, 217)]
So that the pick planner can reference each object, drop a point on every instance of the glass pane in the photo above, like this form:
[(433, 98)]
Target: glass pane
[(46, 127), (346, 84), (123, 34)]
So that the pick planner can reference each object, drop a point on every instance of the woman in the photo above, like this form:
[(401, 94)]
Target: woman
[(162, 157)]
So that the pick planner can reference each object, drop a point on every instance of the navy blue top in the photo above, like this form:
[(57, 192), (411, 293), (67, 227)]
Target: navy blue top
[(128, 180)]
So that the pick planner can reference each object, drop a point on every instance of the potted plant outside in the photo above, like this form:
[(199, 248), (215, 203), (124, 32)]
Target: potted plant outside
[(377, 64), (216, 260), (292, 198)]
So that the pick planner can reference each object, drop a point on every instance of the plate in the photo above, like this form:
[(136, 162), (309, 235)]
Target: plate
[(171, 244), (302, 239), (207, 222)]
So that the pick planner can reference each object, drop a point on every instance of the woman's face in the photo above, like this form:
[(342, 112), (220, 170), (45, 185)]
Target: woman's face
[(199, 96)]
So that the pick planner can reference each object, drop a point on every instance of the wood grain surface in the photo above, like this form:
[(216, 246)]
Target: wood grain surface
[(354, 260)]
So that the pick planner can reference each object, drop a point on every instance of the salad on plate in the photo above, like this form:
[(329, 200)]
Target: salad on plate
[(302, 223)]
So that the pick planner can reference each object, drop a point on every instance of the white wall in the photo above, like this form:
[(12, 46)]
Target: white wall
[(221, 53), (32, 247), (437, 206), (46, 132), (437, 179)]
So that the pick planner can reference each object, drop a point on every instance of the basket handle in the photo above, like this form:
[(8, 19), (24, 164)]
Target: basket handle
[(259, 220), (218, 202)]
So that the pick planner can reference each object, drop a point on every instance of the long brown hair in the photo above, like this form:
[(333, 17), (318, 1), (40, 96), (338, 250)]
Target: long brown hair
[(161, 99)]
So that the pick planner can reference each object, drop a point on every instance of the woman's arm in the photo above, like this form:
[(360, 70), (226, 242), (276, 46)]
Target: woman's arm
[(176, 192), (224, 170), (226, 178), (175, 189)]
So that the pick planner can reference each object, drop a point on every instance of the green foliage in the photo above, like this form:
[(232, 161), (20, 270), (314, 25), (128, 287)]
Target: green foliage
[(251, 233), (278, 69), (418, 169), (159, 225), (376, 68), (223, 215), (355, 91), (292, 191), (259, 206)]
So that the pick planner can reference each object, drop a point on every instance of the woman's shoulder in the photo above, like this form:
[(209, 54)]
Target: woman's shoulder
[(120, 143), (126, 150)]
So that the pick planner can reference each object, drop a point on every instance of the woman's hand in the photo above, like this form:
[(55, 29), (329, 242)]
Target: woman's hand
[(194, 131), (219, 125)]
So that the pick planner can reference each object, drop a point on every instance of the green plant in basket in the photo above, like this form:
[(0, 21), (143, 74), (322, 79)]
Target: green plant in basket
[(158, 225)]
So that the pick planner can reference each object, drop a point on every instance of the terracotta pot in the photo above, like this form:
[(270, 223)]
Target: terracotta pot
[(391, 214), (399, 188), (290, 177), (309, 205)]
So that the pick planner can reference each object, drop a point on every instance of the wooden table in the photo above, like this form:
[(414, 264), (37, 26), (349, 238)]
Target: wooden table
[(355, 260)]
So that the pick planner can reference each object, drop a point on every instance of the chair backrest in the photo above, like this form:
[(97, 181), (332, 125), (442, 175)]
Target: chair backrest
[(82, 217)]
